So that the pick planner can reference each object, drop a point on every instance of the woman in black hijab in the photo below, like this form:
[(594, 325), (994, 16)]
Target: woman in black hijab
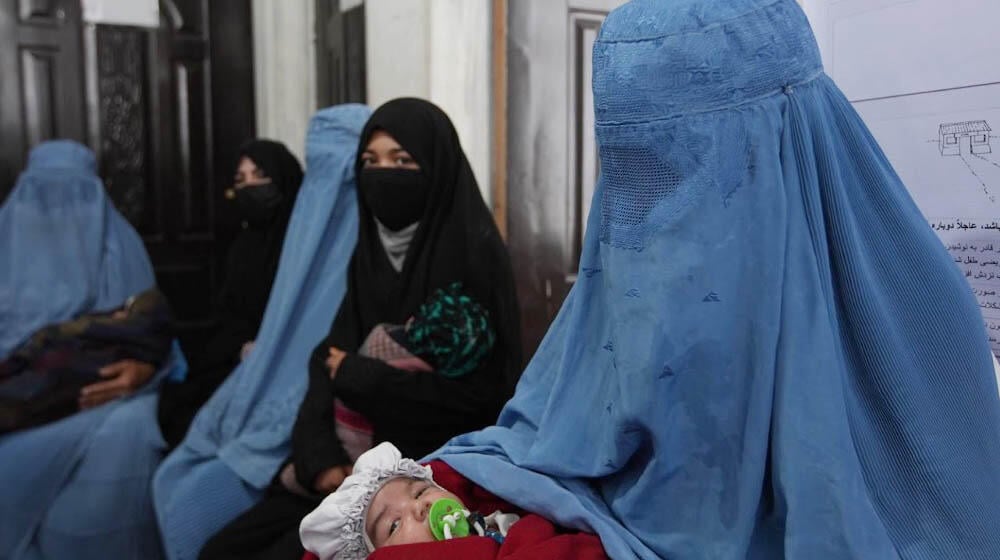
[(423, 226), (265, 184)]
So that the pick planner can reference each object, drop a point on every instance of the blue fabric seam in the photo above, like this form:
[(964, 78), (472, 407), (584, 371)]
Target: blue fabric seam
[(783, 90)]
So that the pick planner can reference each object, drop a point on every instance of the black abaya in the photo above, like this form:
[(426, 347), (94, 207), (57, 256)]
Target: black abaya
[(251, 265)]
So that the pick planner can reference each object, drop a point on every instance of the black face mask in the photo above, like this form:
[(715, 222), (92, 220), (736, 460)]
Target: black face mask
[(259, 203), (397, 197)]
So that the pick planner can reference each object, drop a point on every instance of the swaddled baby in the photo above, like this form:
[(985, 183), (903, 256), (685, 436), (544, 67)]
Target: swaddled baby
[(40, 381), (388, 501), (449, 335)]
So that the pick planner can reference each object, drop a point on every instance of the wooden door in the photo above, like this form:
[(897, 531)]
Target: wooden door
[(552, 155), (41, 91)]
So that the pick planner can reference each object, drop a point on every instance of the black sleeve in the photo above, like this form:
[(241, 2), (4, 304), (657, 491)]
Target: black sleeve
[(419, 400), (315, 446)]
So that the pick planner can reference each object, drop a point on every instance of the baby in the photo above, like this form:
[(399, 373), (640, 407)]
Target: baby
[(449, 335), (40, 381), (387, 501)]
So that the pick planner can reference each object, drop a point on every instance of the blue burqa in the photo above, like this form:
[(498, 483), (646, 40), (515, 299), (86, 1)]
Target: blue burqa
[(242, 435), (768, 353), (64, 249), (79, 487)]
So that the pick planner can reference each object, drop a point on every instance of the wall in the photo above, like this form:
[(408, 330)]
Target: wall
[(285, 70), (437, 50), (460, 77), (398, 49)]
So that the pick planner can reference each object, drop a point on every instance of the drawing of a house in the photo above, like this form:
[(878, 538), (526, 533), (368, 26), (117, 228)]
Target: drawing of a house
[(974, 135)]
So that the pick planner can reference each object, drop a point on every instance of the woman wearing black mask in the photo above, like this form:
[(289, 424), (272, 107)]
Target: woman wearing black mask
[(423, 227), (264, 187)]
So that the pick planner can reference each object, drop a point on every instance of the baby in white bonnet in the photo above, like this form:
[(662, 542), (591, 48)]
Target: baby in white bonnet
[(386, 501)]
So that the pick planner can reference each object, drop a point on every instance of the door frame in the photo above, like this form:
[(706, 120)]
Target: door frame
[(549, 164)]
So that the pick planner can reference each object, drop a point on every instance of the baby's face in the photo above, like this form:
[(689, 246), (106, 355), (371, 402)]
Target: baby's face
[(398, 513)]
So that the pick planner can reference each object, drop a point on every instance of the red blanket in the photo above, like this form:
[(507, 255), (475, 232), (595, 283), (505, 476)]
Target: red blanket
[(531, 538)]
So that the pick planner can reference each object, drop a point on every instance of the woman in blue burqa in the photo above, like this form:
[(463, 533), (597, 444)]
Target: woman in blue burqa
[(77, 487), (768, 354), (242, 435)]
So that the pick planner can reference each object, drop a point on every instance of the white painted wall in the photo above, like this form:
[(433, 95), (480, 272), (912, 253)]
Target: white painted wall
[(397, 49), (284, 70), (460, 70), (438, 50)]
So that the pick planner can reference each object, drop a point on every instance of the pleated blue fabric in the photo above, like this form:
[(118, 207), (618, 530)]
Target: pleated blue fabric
[(768, 353), (242, 435)]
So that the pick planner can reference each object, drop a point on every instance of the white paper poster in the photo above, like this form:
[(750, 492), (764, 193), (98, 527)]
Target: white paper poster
[(925, 77)]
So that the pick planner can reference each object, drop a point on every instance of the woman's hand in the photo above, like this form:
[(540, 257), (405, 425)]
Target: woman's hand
[(123, 378), (333, 362), (331, 479), (291, 483), (245, 350)]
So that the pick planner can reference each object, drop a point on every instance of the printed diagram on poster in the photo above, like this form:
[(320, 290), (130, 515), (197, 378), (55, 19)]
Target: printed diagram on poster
[(969, 137), (971, 142)]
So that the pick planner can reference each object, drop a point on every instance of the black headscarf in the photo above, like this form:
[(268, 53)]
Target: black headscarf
[(279, 164), (251, 265), (255, 252), (456, 241)]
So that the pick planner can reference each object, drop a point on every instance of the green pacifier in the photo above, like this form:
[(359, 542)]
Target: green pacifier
[(447, 519)]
